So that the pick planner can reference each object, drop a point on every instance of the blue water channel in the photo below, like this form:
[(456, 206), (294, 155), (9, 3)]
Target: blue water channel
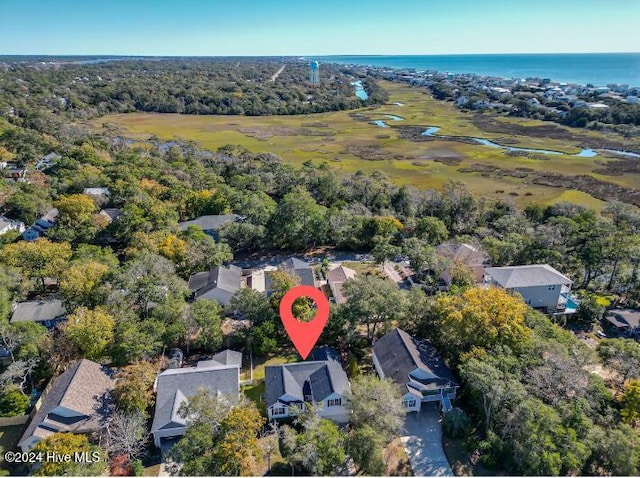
[(360, 92), (585, 153)]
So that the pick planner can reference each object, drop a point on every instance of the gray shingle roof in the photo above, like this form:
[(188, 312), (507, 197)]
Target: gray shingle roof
[(174, 386), (399, 354), (226, 278), (296, 267), (624, 318), (527, 276), (302, 379), (226, 357), (85, 387), (38, 311), (210, 223)]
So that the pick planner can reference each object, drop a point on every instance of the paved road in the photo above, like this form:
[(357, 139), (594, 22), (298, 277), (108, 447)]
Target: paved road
[(275, 76), (423, 442)]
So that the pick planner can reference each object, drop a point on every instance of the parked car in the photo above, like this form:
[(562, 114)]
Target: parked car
[(601, 334)]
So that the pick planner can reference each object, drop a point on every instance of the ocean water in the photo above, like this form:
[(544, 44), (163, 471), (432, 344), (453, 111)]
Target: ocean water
[(598, 69)]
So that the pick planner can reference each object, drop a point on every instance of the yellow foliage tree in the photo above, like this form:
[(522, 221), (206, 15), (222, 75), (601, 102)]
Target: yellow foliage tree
[(481, 318), (75, 209), (630, 401), (38, 259), (81, 280), (62, 444), (173, 248), (91, 331)]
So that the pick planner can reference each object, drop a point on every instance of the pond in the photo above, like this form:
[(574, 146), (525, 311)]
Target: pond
[(380, 124)]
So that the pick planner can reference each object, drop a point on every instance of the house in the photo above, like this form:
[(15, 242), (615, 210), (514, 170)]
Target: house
[(210, 225), (321, 384), (15, 173), (7, 225), (626, 321), (454, 255), (111, 214), (220, 284), (48, 161), (226, 357), (175, 386), (45, 312), (78, 401), (336, 278), (101, 193), (41, 226), (415, 366), (540, 285), (295, 267)]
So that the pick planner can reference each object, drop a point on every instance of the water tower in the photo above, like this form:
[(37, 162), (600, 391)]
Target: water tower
[(314, 72)]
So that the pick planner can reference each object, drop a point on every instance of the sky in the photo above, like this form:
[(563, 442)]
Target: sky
[(312, 28)]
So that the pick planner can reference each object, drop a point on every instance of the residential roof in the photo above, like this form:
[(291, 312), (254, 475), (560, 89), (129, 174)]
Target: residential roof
[(226, 357), (624, 318), (324, 353), (336, 277), (527, 276), (463, 253), (6, 222), (175, 386), (226, 278), (296, 267), (83, 388), (38, 311), (51, 215), (340, 274), (112, 213), (210, 223), (96, 191), (303, 379), (399, 354)]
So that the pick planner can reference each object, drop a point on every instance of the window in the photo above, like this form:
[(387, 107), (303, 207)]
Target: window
[(551, 287), (409, 402), (279, 411), (334, 402)]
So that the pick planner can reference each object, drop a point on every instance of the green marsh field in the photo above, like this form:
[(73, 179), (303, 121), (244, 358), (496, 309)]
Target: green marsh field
[(348, 141)]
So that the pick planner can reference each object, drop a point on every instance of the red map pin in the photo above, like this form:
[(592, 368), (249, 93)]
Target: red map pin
[(304, 335)]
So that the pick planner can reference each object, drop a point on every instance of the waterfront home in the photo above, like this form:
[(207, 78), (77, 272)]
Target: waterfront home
[(321, 384), (220, 283), (175, 386), (417, 369), (540, 285), (78, 401)]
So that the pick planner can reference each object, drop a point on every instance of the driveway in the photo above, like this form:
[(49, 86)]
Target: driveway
[(423, 442)]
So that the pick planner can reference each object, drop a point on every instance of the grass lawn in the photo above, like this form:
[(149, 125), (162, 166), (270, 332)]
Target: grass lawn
[(347, 141), (256, 391)]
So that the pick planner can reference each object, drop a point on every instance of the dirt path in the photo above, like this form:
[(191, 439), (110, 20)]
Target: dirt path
[(277, 74)]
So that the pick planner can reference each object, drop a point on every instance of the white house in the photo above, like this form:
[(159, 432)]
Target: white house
[(221, 375), (540, 285), (7, 225), (416, 368), (321, 384)]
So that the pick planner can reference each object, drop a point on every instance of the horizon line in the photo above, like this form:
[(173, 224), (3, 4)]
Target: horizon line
[(274, 55)]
